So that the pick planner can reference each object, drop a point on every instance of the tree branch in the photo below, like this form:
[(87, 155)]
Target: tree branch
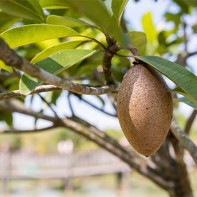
[(16, 93), (9, 57), (49, 105), (9, 95), (17, 106), (190, 121), (17, 131), (70, 104), (184, 140), (6, 75), (92, 133), (131, 158), (192, 53)]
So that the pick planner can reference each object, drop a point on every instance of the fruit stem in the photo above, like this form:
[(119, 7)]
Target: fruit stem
[(134, 51), (110, 51)]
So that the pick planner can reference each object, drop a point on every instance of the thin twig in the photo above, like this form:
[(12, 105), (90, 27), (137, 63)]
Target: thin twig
[(39, 89), (93, 39), (49, 105), (70, 104), (192, 53), (18, 131), (185, 39), (94, 106)]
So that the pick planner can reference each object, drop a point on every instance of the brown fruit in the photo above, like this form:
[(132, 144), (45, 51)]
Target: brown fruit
[(144, 109)]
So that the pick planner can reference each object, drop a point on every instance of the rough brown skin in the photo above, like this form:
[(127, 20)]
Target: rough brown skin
[(145, 108)]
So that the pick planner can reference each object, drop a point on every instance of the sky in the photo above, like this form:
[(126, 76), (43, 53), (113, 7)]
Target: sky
[(133, 14)]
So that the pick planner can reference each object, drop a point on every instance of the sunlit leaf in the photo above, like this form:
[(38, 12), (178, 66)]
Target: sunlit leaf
[(182, 77), (35, 33), (47, 43), (138, 40), (149, 27), (66, 21), (54, 64), (28, 9), (6, 21), (51, 50), (53, 4), (5, 67), (118, 8)]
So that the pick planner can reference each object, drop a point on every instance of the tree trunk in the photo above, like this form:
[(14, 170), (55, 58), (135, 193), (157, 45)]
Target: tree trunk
[(182, 182), (174, 169)]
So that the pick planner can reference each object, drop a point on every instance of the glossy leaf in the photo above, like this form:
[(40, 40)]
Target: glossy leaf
[(138, 40), (28, 9), (35, 33), (66, 21), (51, 50), (54, 64), (118, 8), (97, 12), (182, 77), (53, 4)]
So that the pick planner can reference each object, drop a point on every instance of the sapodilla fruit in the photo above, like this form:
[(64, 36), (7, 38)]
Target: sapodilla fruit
[(144, 107)]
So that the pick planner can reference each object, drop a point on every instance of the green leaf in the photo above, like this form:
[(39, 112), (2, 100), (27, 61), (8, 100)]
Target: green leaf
[(171, 17), (6, 21), (28, 9), (51, 50), (149, 27), (53, 4), (118, 8), (182, 77), (54, 64), (7, 118), (183, 5), (5, 67), (35, 33), (36, 5), (97, 12), (138, 40), (66, 21)]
